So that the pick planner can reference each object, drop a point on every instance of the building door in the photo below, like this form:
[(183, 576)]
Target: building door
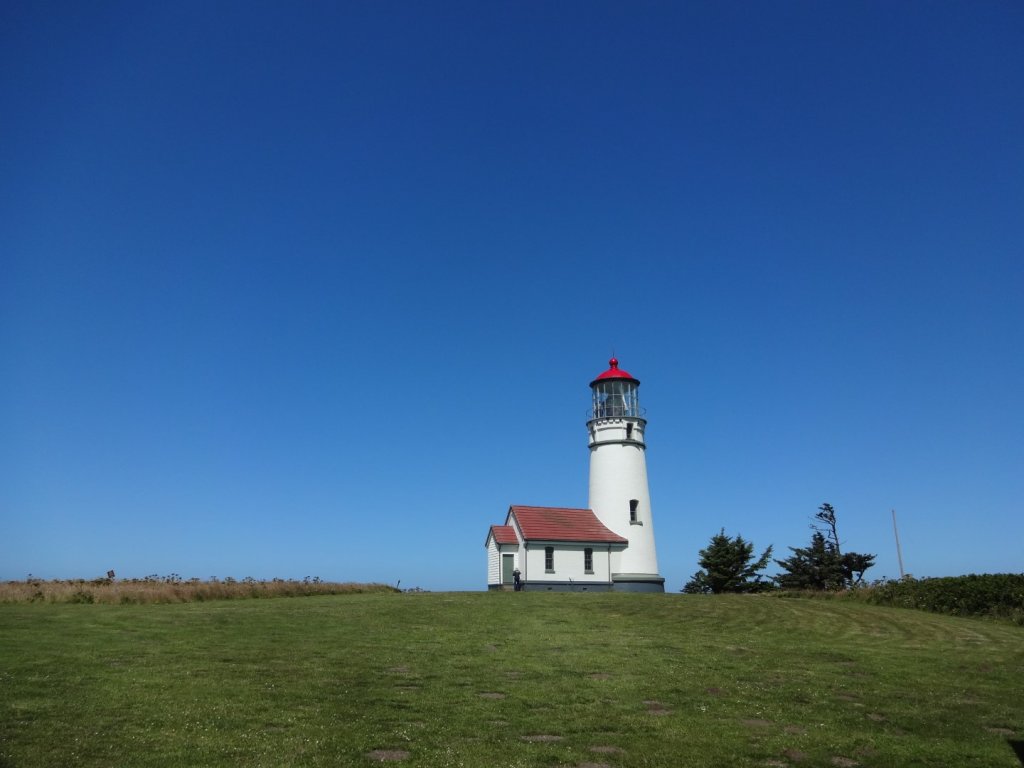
[(508, 564)]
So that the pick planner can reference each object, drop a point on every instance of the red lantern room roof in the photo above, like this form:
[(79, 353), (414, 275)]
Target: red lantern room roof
[(614, 372)]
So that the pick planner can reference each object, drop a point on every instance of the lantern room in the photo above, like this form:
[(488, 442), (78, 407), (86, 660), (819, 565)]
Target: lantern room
[(614, 394)]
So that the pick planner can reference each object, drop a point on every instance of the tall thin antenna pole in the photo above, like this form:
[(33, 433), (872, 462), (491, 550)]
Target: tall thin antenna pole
[(899, 553)]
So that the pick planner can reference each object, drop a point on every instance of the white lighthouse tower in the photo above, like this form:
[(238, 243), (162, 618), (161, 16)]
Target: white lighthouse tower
[(619, 495)]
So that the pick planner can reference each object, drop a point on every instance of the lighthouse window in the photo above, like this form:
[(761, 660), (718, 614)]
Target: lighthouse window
[(633, 504), (549, 559), (629, 431), (588, 560)]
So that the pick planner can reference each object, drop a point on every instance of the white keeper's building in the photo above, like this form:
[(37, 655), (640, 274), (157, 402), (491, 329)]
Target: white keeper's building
[(610, 545)]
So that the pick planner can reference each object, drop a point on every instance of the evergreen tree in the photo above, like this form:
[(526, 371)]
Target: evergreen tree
[(822, 565), (818, 566), (726, 567), (826, 517), (854, 565)]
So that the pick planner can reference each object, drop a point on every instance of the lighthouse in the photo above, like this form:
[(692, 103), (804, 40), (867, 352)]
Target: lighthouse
[(619, 495), (607, 547)]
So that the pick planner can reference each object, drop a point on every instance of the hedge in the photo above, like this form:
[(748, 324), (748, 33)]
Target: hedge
[(999, 595)]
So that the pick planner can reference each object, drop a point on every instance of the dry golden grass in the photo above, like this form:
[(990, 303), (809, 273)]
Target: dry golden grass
[(170, 589)]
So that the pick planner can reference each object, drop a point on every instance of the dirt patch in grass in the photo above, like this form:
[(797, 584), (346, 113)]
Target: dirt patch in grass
[(878, 718), (605, 750), (388, 755), (795, 730), (599, 676), (844, 696), (795, 755), (1000, 731), (593, 765), (756, 722), (492, 695), (844, 762), (714, 691), (541, 738), (400, 670)]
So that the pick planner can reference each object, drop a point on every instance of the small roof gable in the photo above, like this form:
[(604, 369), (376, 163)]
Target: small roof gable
[(561, 524), (504, 534)]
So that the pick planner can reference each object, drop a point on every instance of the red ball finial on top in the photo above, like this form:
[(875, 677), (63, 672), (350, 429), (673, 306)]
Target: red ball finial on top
[(613, 363)]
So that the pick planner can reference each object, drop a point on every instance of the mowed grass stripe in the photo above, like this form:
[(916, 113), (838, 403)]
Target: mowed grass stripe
[(517, 679)]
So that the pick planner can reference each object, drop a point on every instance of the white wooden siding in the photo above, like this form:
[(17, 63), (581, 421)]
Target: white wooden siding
[(494, 553), (568, 562), (493, 562)]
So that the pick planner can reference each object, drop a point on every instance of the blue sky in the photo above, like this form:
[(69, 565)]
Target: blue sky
[(317, 289)]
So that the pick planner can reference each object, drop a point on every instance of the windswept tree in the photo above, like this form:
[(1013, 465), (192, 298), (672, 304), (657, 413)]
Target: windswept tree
[(728, 565), (826, 525), (854, 565), (822, 565), (816, 566)]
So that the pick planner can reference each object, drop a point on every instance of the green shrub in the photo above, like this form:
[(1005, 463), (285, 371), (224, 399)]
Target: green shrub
[(993, 594)]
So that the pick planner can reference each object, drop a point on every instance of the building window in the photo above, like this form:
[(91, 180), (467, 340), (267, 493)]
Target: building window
[(588, 560), (549, 559), (633, 504), (629, 431)]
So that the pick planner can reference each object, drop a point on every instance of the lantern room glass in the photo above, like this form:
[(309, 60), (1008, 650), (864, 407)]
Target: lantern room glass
[(615, 398)]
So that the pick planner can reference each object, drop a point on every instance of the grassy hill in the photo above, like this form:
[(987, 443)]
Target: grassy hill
[(511, 679)]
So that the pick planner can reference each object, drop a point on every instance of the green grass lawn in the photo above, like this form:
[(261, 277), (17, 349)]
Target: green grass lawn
[(510, 679)]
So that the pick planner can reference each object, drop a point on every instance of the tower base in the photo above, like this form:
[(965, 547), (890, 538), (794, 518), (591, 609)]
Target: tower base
[(637, 582)]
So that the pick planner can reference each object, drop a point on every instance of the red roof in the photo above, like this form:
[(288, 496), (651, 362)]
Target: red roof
[(504, 534), (614, 372), (561, 524)]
